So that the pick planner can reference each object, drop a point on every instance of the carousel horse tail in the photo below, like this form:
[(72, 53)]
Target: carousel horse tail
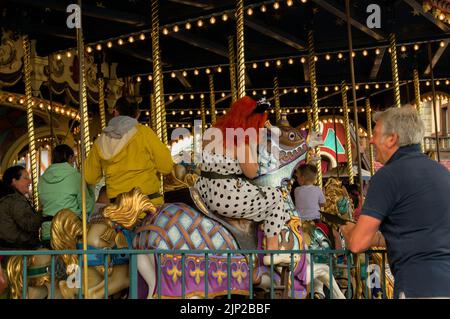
[(14, 271), (129, 208), (66, 231)]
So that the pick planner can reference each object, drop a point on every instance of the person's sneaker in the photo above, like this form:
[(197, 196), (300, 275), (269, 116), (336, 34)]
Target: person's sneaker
[(278, 259)]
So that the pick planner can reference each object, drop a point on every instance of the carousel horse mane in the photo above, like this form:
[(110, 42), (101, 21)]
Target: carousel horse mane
[(129, 208), (14, 271), (66, 232), (338, 200)]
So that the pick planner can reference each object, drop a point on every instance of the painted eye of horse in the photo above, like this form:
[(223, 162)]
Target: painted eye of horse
[(291, 136)]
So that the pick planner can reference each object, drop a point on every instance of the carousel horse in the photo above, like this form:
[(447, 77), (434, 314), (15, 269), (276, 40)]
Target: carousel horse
[(179, 226), (111, 229), (38, 277)]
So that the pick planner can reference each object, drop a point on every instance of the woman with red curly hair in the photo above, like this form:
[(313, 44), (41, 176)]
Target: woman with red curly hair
[(230, 163)]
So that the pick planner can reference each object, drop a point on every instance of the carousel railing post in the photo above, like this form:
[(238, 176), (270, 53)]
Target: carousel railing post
[(314, 101), (133, 276), (85, 144), (240, 48), (433, 89), (30, 121), (52, 277), (158, 264), (24, 277), (229, 275)]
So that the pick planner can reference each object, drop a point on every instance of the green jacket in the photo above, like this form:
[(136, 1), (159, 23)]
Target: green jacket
[(60, 187)]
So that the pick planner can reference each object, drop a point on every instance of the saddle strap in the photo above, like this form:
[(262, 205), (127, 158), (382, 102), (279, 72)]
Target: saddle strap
[(161, 232)]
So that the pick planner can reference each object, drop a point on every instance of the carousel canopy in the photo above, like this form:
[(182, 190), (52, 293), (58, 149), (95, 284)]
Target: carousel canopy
[(194, 44)]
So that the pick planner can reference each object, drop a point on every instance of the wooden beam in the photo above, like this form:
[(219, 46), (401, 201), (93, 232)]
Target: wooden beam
[(201, 43), (275, 33), (377, 64), (436, 57), (196, 4), (183, 80), (418, 8), (340, 14)]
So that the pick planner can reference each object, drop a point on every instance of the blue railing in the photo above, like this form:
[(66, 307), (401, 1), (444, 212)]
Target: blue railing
[(249, 254)]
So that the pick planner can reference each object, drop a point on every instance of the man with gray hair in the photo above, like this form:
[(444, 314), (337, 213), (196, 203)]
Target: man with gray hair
[(408, 200)]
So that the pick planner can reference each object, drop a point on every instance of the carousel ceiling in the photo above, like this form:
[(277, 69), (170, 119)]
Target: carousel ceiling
[(275, 42)]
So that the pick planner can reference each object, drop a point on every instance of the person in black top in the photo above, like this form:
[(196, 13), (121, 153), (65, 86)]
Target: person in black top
[(408, 200)]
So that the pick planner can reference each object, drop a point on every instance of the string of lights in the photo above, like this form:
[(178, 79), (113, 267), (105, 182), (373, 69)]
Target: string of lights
[(278, 62), (303, 88)]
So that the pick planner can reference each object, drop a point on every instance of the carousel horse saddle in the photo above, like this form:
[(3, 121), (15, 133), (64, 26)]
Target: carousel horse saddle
[(243, 230)]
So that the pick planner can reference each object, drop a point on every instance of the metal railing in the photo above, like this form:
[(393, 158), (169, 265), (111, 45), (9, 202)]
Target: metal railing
[(206, 254)]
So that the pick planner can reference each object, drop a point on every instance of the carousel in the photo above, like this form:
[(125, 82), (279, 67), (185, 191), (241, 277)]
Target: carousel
[(325, 65)]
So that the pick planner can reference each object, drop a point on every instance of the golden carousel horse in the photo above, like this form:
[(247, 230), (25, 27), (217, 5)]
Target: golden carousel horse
[(111, 230), (38, 277)]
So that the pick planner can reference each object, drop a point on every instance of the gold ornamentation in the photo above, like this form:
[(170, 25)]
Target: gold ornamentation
[(197, 273), (121, 241), (219, 274), (174, 272), (239, 274)]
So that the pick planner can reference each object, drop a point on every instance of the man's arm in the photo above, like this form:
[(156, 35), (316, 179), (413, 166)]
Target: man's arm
[(363, 235), (161, 154)]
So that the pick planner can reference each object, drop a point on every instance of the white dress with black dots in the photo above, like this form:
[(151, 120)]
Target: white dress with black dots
[(237, 198)]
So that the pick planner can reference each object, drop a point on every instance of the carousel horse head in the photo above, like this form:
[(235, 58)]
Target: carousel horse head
[(338, 201), (38, 275)]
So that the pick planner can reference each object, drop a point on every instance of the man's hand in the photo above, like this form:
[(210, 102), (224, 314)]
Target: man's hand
[(347, 230)]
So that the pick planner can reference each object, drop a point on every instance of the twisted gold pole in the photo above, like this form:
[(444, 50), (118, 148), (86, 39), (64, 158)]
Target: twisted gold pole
[(30, 121), (310, 120), (314, 101), (85, 146), (212, 99), (203, 112), (240, 48), (369, 136), (101, 102), (158, 89), (152, 118), (276, 94), (394, 67), (348, 142), (232, 58), (417, 97)]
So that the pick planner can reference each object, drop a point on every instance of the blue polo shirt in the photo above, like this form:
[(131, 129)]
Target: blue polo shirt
[(410, 195)]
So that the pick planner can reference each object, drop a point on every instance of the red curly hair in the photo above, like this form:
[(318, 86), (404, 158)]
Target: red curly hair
[(241, 115)]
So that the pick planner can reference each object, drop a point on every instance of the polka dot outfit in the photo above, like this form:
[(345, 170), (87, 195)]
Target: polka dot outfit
[(237, 198)]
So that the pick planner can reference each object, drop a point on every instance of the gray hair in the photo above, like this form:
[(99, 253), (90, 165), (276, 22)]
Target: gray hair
[(403, 121)]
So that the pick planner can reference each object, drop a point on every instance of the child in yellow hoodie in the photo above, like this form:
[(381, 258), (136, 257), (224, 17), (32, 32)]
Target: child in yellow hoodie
[(129, 155)]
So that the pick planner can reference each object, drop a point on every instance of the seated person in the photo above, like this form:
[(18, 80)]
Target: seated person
[(308, 197), (19, 226), (102, 201), (60, 187), (225, 185)]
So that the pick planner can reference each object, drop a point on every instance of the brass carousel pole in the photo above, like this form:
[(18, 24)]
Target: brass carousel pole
[(30, 122), (240, 49), (276, 94), (85, 146), (348, 141), (232, 58), (359, 283), (355, 106), (152, 119), (433, 89), (335, 142), (369, 136), (203, 112), (314, 101), (101, 100), (394, 67), (212, 99), (417, 98), (310, 121), (161, 126)]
